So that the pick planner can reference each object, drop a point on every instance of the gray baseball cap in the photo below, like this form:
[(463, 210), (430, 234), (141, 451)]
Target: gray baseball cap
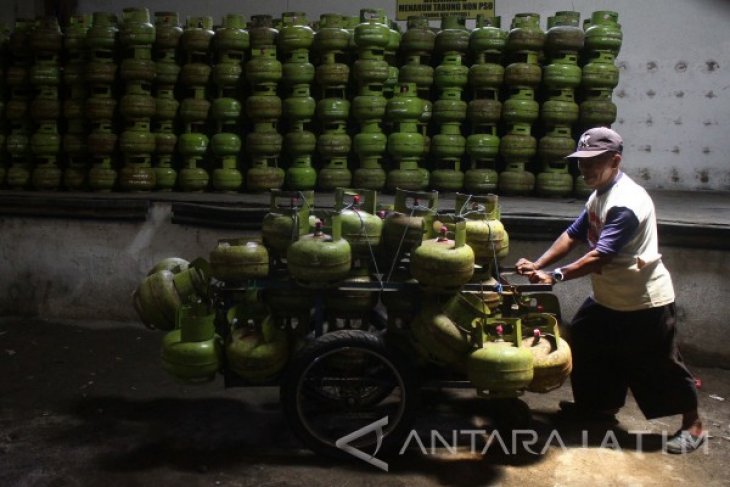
[(597, 141)]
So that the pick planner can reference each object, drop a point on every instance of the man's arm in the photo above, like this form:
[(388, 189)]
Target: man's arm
[(576, 232), (559, 249), (621, 225)]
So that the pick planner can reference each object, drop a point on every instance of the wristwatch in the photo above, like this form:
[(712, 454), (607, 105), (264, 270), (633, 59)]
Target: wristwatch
[(558, 275)]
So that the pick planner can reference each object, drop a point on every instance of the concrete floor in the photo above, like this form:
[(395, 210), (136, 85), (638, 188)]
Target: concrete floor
[(87, 403)]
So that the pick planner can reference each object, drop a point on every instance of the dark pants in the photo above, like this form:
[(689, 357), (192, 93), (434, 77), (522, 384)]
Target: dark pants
[(614, 351)]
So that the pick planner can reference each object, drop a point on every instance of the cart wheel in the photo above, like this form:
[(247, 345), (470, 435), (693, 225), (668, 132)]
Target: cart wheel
[(343, 381)]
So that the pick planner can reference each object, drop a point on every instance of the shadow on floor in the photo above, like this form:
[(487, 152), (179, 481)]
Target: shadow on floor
[(456, 440)]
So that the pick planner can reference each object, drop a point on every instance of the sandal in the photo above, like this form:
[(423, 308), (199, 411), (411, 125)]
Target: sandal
[(684, 442)]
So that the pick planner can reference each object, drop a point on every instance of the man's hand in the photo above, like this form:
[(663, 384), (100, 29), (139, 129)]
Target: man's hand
[(540, 277), (525, 267)]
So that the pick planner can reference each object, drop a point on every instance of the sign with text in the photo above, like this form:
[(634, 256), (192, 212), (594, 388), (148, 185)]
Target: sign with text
[(434, 9)]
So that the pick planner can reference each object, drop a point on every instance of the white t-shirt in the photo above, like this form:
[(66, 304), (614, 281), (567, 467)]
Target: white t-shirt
[(636, 277)]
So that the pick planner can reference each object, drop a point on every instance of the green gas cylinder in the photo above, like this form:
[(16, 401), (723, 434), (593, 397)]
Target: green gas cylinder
[(295, 32), (516, 180), (597, 108), (361, 227), (161, 294), (526, 74), (137, 103), (331, 110), (165, 143), (448, 146), (501, 367), (445, 329), (197, 35), (257, 349), (372, 31), (300, 144), (230, 46), (167, 70), (600, 72), (554, 179), (46, 176), (420, 74), (167, 30), (226, 146), (453, 36), (99, 108), (559, 109), (525, 33), (46, 36), (193, 352), (556, 145), (262, 33), (518, 144), (283, 225), (334, 146), (370, 69), (231, 39), (443, 264), (521, 107), (564, 34), (485, 233), (136, 28), (173, 264), (318, 259), (451, 73), (263, 68), (331, 35), (368, 109), (418, 38), (486, 76), (331, 40), (562, 72), (194, 110), (264, 145), (416, 47), (299, 106), (102, 175), (404, 228), (369, 145), (18, 42), (487, 36), (239, 260), (405, 144), (552, 359), (45, 74), (604, 32), (482, 146), (193, 146)]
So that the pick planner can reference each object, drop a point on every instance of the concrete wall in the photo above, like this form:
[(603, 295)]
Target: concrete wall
[(83, 269)]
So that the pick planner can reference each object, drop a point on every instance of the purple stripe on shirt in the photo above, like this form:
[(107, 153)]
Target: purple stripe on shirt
[(619, 228)]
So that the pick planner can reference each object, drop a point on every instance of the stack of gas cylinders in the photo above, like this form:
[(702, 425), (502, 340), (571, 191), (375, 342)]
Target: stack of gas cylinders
[(151, 102)]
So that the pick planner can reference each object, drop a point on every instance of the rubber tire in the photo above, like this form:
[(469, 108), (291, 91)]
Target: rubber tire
[(341, 339)]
